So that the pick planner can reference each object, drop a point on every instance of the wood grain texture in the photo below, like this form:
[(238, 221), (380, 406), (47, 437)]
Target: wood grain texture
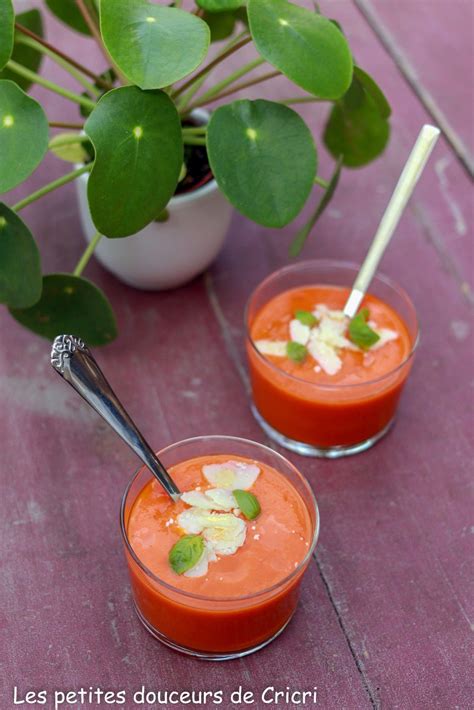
[(386, 615)]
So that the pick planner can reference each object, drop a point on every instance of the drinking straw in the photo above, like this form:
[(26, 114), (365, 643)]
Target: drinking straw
[(405, 186)]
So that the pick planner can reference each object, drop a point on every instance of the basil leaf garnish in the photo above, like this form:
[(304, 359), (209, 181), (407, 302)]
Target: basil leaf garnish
[(247, 503), (360, 332), (186, 553)]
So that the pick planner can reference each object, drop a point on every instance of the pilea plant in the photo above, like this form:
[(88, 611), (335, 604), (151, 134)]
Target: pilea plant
[(135, 132)]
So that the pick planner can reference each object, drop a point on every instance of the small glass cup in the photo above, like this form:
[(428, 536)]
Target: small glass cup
[(214, 628), (328, 421)]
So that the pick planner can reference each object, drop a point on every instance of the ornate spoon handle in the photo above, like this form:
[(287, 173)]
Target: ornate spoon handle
[(72, 359)]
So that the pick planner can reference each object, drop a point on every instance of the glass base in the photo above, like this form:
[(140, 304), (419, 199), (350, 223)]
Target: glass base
[(206, 655), (332, 452)]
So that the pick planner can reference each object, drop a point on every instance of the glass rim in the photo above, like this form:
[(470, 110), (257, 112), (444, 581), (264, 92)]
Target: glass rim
[(201, 597), (386, 280)]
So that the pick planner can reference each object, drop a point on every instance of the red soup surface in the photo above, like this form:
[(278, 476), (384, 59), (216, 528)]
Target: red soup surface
[(337, 397), (227, 607)]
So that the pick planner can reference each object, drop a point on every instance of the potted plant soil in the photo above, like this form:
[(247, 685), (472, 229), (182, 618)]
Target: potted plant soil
[(157, 170)]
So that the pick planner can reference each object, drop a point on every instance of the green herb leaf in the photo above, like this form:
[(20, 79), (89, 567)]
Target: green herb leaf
[(302, 235), (20, 270), (306, 317), (308, 48), (153, 46), (360, 332), (22, 54), (296, 351), (186, 553), (70, 304), (68, 12), (7, 27), (247, 503), (139, 153), (23, 135), (253, 148)]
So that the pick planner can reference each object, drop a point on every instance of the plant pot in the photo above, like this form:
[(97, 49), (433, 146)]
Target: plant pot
[(167, 254)]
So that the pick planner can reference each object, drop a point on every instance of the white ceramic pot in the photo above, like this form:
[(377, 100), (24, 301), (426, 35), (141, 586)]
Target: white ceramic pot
[(166, 254)]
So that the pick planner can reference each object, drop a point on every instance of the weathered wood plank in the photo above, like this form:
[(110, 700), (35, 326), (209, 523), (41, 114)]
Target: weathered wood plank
[(395, 555), (433, 50), (67, 619)]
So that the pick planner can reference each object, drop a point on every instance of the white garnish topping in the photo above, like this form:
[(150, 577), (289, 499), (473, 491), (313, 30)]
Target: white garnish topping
[(231, 475), (271, 347), (213, 499), (299, 333), (169, 522), (386, 335), (256, 536), (236, 511), (226, 539), (325, 355)]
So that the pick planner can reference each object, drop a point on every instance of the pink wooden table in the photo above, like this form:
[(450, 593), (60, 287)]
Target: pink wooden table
[(386, 614)]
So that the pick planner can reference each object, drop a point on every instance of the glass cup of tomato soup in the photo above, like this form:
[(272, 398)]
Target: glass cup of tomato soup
[(323, 385), (217, 575)]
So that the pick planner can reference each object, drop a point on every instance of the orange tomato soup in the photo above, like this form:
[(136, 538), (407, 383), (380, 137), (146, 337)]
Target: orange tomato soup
[(304, 402), (277, 542)]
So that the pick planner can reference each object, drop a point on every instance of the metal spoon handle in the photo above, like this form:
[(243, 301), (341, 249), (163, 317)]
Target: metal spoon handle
[(72, 359)]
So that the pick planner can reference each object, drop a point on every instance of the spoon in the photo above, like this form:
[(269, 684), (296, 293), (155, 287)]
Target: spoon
[(72, 359), (406, 184)]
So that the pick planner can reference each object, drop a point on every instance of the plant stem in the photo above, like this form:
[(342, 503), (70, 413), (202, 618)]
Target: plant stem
[(38, 79), (83, 261), (205, 70), (50, 187), (186, 97), (89, 20), (322, 183), (210, 93), (194, 140), (234, 89), (90, 88), (97, 79), (194, 130), (63, 124), (68, 140), (302, 100)]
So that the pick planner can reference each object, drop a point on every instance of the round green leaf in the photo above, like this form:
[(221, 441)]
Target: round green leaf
[(356, 129), (20, 268), (219, 5), (139, 153), (70, 304), (374, 91), (23, 135), (307, 47), (221, 24), (153, 46), (74, 152), (68, 12), (263, 157), (26, 56), (7, 27)]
